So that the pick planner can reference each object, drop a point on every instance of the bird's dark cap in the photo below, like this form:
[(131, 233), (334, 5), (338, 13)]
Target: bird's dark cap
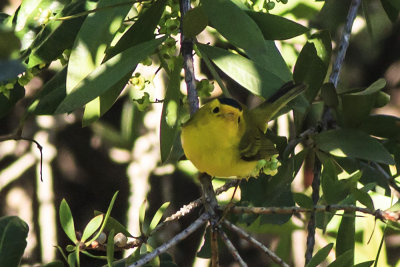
[(231, 102)]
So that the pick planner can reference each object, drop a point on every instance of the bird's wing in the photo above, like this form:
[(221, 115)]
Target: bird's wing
[(256, 146)]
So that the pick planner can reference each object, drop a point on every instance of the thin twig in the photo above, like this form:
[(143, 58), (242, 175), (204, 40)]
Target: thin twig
[(387, 176), (186, 209), (344, 42), (232, 248), (378, 214), (255, 242), (17, 137), (315, 197), (214, 248), (209, 199), (172, 242), (187, 53)]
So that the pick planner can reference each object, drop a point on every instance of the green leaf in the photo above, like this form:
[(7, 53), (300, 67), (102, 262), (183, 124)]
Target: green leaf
[(364, 198), (238, 27), (355, 107), (353, 143), (29, 14), (89, 48), (51, 95), (8, 102), (171, 110), (67, 222), (73, 258), (303, 200), (364, 264), (157, 217), (346, 235), (329, 95), (346, 259), (106, 217), (113, 224), (106, 75), (320, 256), (100, 105), (194, 22), (382, 125), (56, 36), (142, 30), (245, 72), (392, 9), (13, 234), (269, 192), (110, 248), (312, 64), (9, 43), (373, 88), (275, 27), (91, 227)]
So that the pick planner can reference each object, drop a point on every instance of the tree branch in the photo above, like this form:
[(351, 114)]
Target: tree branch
[(255, 242), (344, 41), (187, 53), (17, 137), (378, 214), (232, 248), (315, 197), (172, 242)]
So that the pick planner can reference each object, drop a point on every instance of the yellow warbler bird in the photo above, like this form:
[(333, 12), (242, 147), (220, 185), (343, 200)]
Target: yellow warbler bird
[(226, 139)]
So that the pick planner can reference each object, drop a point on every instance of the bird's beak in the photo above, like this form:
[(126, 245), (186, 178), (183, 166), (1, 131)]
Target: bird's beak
[(229, 116)]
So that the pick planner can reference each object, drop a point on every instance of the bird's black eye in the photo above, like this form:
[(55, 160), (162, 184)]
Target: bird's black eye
[(238, 119), (215, 110)]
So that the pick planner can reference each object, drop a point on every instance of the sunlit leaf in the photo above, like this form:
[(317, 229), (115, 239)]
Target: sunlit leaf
[(194, 22), (353, 143), (345, 259), (171, 110), (107, 75), (91, 227), (238, 27), (275, 27), (66, 220), (245, 72), (320, 256), (158, 215), (90, 46)]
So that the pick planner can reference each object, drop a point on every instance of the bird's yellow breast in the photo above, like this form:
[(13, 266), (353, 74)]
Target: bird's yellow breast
[(211, 140)]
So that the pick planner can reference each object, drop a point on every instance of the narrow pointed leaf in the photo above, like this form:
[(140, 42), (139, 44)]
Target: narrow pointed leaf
[(66, 220), (238, 27), (171, 110), (275, 27), (90, 45), (157, 217), (320, 256), (91, 227), (106, 75), (245, 72)]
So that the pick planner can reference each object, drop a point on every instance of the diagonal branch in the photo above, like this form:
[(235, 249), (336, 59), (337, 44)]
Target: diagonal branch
[(344, 41), (232, 248), (255, 242), (172, 242)]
